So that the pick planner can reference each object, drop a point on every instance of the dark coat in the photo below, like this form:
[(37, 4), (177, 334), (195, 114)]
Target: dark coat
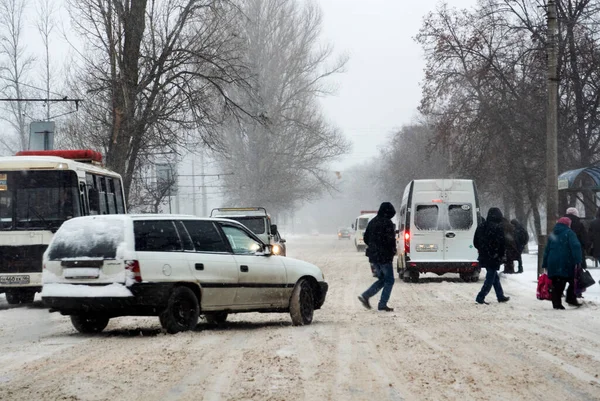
[(521, 235), (510, 241), (380, 236), (562, 253), (581, 233), (594, 238), (489, 240)]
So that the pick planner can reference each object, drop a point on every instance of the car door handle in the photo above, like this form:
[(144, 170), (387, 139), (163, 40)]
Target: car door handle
[(199, 266), (450, 235), (244, 268)]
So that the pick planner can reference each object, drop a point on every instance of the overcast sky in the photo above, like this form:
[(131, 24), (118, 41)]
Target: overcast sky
[(380, 89)]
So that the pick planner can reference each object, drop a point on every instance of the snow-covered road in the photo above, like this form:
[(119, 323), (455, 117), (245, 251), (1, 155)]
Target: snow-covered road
[(437, 345)]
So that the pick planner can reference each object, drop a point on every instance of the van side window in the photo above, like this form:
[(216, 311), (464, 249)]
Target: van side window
[(460, 216), (426, 217), (205, 236), (156, 236)]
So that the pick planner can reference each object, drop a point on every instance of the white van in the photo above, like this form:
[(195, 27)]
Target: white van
[(438, 219), (359, 226)]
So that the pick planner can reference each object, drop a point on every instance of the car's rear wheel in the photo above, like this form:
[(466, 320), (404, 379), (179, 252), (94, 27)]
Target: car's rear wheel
[(182, 311), (89, 324), (216, 317), (302, 304)]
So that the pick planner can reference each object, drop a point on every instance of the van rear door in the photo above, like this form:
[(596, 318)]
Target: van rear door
[(427, 236)]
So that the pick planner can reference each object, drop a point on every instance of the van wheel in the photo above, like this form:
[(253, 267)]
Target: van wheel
[(89, 324), (216, 317), (465, 277), (302, 304), (182, 311), (13, 297), (414, 277)]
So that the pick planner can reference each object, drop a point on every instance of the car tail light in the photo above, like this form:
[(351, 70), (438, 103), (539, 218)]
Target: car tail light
[(406, 241), (134, 267), (413, 265), (474, 264)]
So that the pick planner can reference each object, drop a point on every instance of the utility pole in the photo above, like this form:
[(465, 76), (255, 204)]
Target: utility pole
[(551, 129), (193, 189), (202, 175)]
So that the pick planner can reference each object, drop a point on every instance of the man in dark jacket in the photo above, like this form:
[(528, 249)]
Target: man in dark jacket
[(521, 239), (490, 242), (380, 238), (594, 238), (579, 229)]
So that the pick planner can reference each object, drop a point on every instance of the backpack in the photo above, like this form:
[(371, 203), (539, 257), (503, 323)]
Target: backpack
[(543, 287)]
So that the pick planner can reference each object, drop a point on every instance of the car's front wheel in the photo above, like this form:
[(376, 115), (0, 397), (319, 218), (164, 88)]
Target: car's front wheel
[(89, 324), (302, 305), (182, 311), (216, 317)]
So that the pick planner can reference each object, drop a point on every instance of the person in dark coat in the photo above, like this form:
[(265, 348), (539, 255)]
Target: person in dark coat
[(521, 239), (579, 229), (562, 253), (490, 242), (594, 238), (380, 238), (511, 251)]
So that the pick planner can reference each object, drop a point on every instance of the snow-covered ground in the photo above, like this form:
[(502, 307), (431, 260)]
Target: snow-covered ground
[(437, 345)]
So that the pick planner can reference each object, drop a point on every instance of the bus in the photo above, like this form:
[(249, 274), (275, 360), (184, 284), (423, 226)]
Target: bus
[(39, 190)]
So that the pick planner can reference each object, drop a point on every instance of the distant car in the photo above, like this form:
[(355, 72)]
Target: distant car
[(314, 232), (343, 233), (174, 267)]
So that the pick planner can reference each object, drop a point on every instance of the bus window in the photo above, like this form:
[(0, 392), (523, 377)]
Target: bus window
[(119, 197), (102, 188), (110, 196), (93, 197)]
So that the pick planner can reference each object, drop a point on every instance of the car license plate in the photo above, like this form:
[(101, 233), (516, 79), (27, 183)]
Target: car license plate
[(14, 279)]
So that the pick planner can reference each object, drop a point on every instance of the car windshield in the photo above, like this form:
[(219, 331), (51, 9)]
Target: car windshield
[(37, 199), (256, 224), (87, 238)]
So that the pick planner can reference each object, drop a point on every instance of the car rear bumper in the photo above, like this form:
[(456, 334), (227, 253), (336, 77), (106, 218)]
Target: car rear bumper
[(148, 299), (442, 267), (323, 286)]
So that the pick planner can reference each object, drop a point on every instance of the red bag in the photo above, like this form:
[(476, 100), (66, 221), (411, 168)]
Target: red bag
[(543, 287)]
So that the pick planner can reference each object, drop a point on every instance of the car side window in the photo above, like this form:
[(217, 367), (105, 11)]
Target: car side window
[(188, 245), (156, 236), (205, 236), (241, 243)]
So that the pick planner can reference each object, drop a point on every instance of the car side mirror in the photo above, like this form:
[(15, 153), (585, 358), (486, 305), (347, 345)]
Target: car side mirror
[(273, 229), (353, 226), (265, 250), (282, 241)]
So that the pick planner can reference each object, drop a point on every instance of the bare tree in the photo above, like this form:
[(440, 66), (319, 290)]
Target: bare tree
[(281, 159), (154, 71), (16, 64)]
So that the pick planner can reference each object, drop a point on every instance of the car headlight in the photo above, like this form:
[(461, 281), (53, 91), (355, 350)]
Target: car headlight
[(276, 249)]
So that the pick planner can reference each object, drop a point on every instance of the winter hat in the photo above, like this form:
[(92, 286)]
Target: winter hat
[(573, 211), (564, 220)]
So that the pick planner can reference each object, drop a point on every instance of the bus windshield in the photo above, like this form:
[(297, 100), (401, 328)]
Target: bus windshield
[(36, 199)]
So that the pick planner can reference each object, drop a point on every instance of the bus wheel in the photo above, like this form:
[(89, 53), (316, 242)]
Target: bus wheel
[(13, 297)]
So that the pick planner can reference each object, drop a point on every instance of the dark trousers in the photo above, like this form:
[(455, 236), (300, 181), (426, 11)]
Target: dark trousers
[(385, 279), (558, 287), (491, 280), (520, 260)]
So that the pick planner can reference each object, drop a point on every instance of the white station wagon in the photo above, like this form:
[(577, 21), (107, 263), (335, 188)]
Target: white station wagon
[(174, 267)]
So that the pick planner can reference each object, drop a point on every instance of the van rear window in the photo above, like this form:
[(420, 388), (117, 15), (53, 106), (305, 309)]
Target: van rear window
[(460, 216), (426, 217), (86, 239)]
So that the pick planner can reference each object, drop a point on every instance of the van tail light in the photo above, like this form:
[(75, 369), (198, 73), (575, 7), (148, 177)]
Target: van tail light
[(474, 264), (406, 242), (134, 267)]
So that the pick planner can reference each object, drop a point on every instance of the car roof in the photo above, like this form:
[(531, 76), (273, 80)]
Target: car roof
[(153, 216)]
